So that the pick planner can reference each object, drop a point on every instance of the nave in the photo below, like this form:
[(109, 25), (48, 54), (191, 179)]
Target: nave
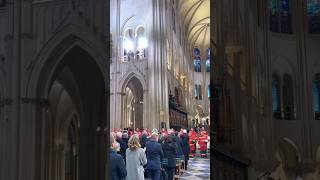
[(199, 169)]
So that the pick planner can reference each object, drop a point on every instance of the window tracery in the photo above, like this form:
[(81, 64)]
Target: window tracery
[(276, 103), (313, 10), (197, 92), (288, 98), (134, 44), (208, 61), (316, 96), (280, 16), (197, 60)]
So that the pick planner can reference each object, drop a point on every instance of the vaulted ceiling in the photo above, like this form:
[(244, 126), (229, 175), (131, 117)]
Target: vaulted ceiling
[(196, 20)]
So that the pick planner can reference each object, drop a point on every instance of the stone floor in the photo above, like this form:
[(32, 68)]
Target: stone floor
[(198, 169)]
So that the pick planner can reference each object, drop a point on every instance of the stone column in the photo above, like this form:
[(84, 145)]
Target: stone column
[(157, 80), (303, 86)]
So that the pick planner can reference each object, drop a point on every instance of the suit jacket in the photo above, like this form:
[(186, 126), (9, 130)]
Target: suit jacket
[(154, 155), (185, 145), (117, 167), (169, 150)]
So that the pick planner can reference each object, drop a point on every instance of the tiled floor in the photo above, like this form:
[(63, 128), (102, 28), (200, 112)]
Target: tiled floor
[(198, 169)]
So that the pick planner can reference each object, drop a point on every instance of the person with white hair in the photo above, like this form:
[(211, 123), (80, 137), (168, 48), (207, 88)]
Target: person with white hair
[(117, 168), (122, 144), (154, 156)]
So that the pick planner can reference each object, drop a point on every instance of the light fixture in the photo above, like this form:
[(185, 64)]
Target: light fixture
[(143, 42), (128, 45)]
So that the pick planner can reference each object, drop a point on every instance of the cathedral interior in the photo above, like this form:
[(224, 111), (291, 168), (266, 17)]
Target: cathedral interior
[(72, 71)]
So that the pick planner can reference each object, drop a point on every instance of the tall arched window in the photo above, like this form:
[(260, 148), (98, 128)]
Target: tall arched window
[(314, 16), (128, 45), (208, 61), (197, 92), (197, 60), (280, 16), (288, 98), (142, 43), (276, 104), (316, 96)]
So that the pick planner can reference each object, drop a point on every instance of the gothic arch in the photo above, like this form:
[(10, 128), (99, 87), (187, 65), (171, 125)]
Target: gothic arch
[(290, 155), (132, 102), (126, 78), (80, 57), (133, 22), (55, 49)]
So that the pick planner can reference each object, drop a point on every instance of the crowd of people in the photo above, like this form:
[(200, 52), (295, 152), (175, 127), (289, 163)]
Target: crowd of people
[(136, 155)]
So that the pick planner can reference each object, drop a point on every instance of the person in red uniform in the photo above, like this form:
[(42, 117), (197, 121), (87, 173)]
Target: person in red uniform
[(203, 140), (192, 142), (164, 132), (138, 132)]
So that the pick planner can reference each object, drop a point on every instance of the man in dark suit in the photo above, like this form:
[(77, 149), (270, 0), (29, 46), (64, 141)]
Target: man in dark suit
[(117, 167), (185, 147), (169, 159), (154, 156)]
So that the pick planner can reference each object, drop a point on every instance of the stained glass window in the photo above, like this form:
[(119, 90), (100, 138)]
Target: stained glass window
[(280, 16), (276, 107), (314, 16), (288, 99), (208, 61), (197, 60), (316, 96), (197, 92), (209, 93)]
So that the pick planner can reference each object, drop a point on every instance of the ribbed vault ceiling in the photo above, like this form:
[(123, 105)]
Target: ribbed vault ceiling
[(196, 19)]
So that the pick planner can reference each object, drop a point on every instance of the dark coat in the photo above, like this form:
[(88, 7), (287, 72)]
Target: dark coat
[(169, 151), (123, 147), (143, 140), (178, 143), (185, 145), (154, 155), (117, 167)]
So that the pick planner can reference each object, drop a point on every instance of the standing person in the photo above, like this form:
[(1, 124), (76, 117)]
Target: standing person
[(122, 144), (169, 159), (125, 139), (144, 139), (192, 142), (117, 167), (177, 140), (136, 159), (185, 147), (154, 155), (203, 139)]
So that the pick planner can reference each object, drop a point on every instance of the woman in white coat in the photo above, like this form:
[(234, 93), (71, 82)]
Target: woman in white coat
[(135, 159)]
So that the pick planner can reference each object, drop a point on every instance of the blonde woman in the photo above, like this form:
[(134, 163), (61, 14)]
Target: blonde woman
[(136, 159)]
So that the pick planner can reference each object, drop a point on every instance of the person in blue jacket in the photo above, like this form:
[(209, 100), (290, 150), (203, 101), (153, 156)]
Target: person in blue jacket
[(117, 168), (154, 156)]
